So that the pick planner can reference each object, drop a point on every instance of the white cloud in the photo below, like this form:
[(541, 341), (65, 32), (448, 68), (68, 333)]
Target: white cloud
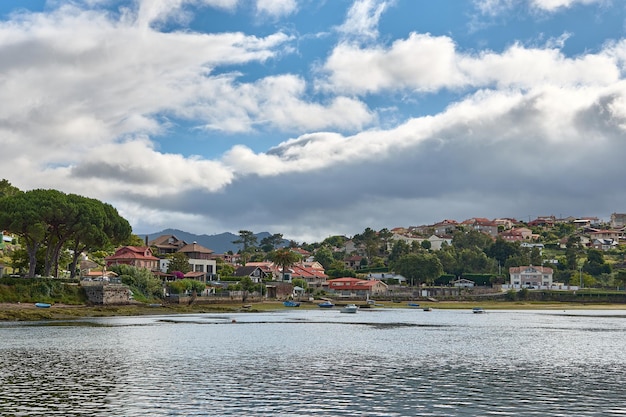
[(276, 8), (498, 7), (85, 111), (426, 63), (553, 5), (153, 11), (362, 19)]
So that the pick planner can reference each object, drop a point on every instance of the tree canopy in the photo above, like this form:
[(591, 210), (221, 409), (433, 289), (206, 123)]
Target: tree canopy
[(53, 221)]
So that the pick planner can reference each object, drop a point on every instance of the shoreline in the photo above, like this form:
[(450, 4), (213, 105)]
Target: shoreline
[(11, 312)]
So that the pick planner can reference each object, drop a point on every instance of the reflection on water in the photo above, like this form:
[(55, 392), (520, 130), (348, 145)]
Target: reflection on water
[(304, 363)]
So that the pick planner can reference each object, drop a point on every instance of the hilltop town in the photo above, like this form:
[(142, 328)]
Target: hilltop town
[(67, 237)]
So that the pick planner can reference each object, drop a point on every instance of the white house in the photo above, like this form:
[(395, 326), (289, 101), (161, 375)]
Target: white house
[(531, 277), (463, 283)]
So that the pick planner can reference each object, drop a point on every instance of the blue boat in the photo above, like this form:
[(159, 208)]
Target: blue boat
[(412, 304), (326, 304), (289, 303), (42, 305)]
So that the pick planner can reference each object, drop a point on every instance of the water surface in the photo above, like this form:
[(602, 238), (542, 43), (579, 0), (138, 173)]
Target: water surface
[(379, 362)]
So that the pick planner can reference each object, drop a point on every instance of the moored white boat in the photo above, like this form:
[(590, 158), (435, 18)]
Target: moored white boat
[(350, 308)]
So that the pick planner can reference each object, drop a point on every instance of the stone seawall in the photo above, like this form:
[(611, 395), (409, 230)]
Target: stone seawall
[(106, 294)]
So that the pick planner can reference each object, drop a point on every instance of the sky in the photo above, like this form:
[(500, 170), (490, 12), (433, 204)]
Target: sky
[(314, 118)]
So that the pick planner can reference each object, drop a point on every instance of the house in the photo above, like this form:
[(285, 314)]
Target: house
[(382, 276), (351, 247), (445, 227), (255, 273), (314, 277), (505, 223), (618, 220), (272, 271), (531, 277), (304, 255), (543, 221), (200, 260), (354, 287), (406, 239), (463, 283), (166, 244), (230, 258), (607, 234), (436, 242), (482, 225), (137, 256), (353, 262), (517, 234), (604, 244)]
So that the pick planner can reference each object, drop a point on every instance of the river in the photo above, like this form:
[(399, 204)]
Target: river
[(377, 362)]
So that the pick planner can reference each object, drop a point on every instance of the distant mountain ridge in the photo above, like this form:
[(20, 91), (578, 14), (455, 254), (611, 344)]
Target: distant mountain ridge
[(221, 243)]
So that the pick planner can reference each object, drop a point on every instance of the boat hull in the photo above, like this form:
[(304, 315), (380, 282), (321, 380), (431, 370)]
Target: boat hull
[(350, 308)]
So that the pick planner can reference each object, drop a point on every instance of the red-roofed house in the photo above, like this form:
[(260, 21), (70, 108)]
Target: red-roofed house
[(445, 227), (166, 244), (482, 225), (517, 234), (354, 287), (313, 276), (138, 256)]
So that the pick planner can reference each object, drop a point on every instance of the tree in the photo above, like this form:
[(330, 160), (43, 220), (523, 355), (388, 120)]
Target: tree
[(270, 243), (399, 248), (324, 256), (98, 226), (501, 250), (284, 258), (52, 220), (179, 262), (248, 241), (471, 239), (447, 257), (385, 236), (20, 214), (223, 269), (620, 277), (370, 239), (6, 189), (571, 252), (419, 267), (473, 261), (247, 286), (140, 280), (335, 241), (535, 256), (595, 264)]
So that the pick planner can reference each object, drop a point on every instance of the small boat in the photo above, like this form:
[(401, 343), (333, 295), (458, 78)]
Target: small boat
[(350, 308), (413, 305), (42, 305), (478, 310), (290, 303), (428, 309), (326, 304)]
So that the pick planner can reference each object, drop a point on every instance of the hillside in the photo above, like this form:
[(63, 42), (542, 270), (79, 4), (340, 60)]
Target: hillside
[(221, 243)]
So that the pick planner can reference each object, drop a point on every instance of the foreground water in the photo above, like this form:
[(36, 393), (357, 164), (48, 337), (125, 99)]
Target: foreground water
[(380, 362)]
